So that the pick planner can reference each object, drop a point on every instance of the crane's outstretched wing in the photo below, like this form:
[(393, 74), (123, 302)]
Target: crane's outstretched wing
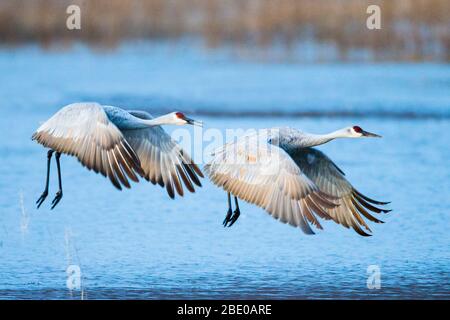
[(162, 160), (84, 131), (265, 175), (330, 179)]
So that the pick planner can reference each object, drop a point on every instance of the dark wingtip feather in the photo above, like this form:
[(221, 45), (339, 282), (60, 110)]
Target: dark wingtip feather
[(170, 190), (368, 205), (198, 171), (185, 179), (117, 185), (192, 174), (360, 231), (360, 209), (369, 199)]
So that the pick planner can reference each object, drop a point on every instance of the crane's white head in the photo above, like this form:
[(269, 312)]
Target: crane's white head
[(179, 118), (357, 132)]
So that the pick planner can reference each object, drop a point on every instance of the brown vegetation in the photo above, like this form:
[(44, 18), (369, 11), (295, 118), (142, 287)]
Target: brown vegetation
[(411, 29)]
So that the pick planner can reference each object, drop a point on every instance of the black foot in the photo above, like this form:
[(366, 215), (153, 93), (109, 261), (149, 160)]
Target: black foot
[(227, 218), (235, 216), (42, 198), (57, 198)]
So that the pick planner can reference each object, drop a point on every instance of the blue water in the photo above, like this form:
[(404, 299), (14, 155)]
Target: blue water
[(140, 244)]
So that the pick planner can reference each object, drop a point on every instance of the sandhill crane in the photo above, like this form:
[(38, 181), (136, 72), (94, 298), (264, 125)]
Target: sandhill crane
[(278, 170), (118, 143)]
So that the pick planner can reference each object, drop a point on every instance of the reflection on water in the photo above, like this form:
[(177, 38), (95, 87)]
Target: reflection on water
[(140, 244)]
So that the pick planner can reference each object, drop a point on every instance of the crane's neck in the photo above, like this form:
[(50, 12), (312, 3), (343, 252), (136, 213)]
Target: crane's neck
[(139, 123), (311, 140), (162, 120), (124, 120)]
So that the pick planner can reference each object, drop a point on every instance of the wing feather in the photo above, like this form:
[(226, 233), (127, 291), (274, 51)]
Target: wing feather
[(162, 160), (83, 130), (265, 175), (330, 179)]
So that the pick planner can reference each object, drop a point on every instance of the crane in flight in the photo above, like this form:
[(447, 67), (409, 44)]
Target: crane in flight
[(118, 144), (279, 170)]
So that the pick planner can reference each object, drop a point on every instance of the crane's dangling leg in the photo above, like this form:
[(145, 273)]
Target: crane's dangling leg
[(59, 194), (228, 216), (45, 193), (236, 213)]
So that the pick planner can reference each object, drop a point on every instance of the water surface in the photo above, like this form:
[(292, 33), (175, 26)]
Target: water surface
[(140, 244)]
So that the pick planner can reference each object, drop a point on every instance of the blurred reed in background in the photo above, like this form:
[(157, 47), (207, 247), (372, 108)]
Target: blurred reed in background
[(412, 30)]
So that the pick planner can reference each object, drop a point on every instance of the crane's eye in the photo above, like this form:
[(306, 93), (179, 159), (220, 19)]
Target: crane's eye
[(180, 115), (357, 129)]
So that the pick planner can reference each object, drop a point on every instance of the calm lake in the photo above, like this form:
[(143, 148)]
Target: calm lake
[(139, 244)]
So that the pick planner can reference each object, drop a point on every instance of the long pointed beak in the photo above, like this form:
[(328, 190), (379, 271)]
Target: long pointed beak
[(370, 134), (193, 122)]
